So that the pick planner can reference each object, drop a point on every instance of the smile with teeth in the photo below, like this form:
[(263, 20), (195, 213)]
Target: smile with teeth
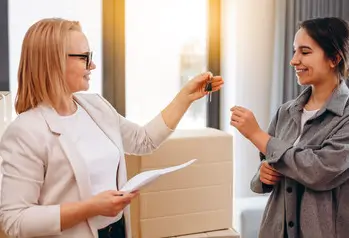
[(300, 70)]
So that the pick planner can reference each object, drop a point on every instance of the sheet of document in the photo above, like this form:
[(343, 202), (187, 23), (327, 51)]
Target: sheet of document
[(144, 178)]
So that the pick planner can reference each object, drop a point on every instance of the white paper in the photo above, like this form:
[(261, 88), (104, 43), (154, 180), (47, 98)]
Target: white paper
[(144, 178)]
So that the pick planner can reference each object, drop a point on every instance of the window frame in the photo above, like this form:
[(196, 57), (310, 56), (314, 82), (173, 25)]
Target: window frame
[(114, 80), (4, 47)]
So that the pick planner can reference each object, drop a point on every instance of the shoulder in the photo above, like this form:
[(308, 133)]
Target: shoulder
[(29, 128), (31, 120), (284, 108)]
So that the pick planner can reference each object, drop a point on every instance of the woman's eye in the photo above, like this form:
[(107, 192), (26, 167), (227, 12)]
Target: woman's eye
[(305, 53)]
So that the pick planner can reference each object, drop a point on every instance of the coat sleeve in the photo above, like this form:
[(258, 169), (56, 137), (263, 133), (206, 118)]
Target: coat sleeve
[(256, 185), (138, 139), (318, 167), (23, 176)]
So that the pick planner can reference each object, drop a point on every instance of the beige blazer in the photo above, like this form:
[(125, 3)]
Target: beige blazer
[(42, 169)]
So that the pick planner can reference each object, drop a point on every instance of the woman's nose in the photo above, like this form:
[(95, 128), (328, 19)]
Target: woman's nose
[(295, 61), (92, 65)]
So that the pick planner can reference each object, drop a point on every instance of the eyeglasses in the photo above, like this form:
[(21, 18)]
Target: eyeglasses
[(87, 57)]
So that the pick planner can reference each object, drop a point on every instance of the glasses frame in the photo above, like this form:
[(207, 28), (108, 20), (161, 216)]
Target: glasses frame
[(87, 56)]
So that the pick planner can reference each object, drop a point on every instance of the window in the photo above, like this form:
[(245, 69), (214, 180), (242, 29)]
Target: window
[(165, 45)]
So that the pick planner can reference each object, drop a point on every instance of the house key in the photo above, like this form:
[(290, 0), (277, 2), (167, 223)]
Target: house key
[(208, 88)]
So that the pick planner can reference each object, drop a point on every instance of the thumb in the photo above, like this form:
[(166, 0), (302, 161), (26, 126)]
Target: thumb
[(204, 77)]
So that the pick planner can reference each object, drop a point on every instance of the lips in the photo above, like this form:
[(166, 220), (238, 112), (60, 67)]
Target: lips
[(87, 76)]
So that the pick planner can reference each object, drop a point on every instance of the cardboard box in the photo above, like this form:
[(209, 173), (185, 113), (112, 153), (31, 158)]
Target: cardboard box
[(226, 233), (195, 199)]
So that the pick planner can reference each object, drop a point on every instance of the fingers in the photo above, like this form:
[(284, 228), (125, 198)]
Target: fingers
[(204, 77), (236, 117), (208, 75), (234, 123), (269, 181), (217, 83), (237, 113), (123, 200), (268, 169), (216, 80), (269, 175), (238, 108), (240, 116), (117, 193), (123, 196)]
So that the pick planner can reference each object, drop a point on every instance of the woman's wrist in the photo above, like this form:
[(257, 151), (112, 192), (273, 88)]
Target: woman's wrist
[(183, 99), (260, 139), (88, 208), (76, 212)]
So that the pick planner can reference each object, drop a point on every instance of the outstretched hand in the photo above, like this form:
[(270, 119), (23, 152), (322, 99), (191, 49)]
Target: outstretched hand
[(195, 88)]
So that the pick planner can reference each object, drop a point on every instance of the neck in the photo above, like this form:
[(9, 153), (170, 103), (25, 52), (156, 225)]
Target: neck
[(66, 106), (321, 93)]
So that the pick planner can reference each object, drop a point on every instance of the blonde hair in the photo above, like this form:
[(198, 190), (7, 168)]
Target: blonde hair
[(42, 64)]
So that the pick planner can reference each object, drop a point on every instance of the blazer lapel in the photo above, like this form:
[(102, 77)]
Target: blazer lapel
[(67, 143), (104, 122), (107, 122)]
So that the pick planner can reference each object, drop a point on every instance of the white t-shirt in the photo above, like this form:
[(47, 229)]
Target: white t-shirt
[(101, 155), (306, 115)]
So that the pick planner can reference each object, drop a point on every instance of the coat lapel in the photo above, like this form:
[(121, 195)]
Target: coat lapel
[(67, 143), (107, 122)]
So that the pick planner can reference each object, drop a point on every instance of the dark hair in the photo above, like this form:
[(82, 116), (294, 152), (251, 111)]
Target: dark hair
[(332, 35)]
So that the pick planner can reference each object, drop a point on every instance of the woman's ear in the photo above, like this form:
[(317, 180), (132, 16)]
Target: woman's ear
[(335, 61)]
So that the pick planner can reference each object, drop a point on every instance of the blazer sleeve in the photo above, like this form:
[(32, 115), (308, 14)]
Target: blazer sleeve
[(138, 139), (23, 176)]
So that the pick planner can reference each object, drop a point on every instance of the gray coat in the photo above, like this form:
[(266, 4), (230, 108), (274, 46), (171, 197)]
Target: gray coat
[(312, 200)]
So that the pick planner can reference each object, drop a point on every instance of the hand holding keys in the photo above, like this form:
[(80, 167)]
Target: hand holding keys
[(208, 88)]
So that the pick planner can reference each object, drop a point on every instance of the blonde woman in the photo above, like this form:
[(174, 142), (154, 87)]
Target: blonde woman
[(63, 157)]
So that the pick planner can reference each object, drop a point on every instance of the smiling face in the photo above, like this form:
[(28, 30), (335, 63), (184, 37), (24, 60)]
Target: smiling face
[(312, 65), (77, 70)]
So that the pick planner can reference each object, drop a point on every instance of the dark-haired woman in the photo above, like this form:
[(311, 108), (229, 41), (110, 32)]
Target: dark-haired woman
[(305, 153)]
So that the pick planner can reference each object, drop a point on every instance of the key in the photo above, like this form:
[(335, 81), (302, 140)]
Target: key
[(208, 88)]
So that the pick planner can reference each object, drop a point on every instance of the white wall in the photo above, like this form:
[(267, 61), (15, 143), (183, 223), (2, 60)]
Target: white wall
[(247, 51), (24, 13)]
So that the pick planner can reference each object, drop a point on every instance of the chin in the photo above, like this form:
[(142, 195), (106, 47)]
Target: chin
[(303, 81), (85, 87)]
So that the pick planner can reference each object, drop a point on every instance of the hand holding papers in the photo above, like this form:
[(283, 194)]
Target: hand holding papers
[(144, 178)]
